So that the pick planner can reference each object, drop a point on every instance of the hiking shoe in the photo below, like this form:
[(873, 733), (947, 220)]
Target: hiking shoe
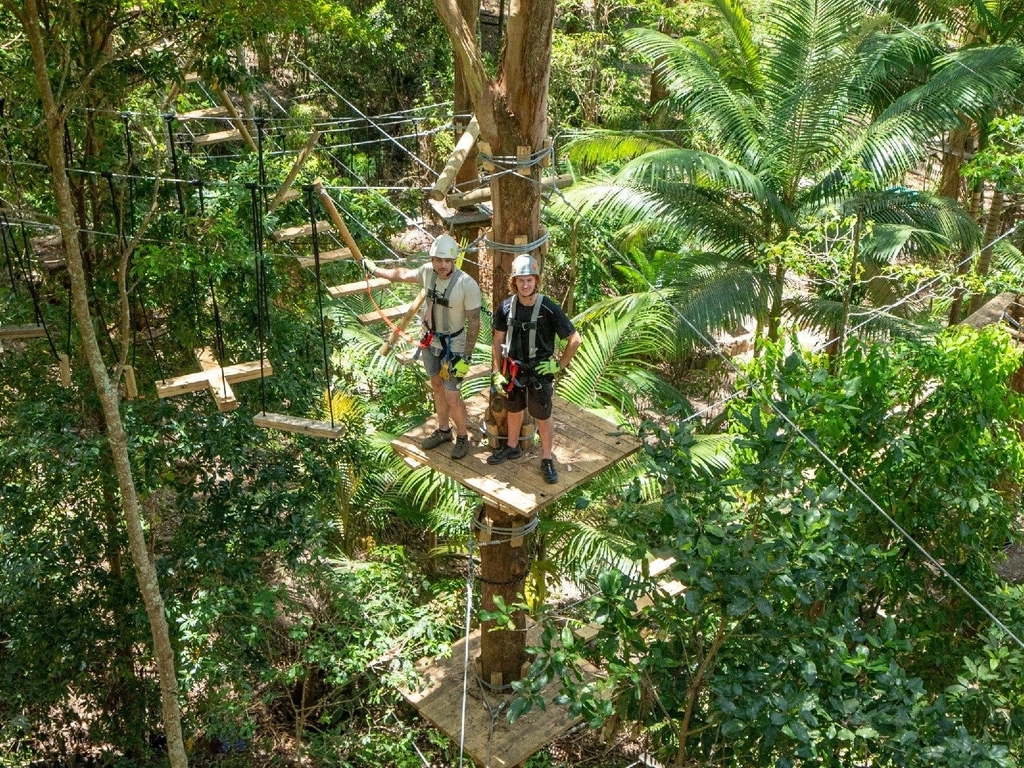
[(461, 447), (436, 438), (547, 466), (506, 453)]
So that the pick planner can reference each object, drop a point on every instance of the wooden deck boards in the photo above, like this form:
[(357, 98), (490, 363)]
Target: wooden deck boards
[(585, 445), (510, 745)]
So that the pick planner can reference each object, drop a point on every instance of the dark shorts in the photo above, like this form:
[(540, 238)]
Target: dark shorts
[(432, 363), (536, 393)]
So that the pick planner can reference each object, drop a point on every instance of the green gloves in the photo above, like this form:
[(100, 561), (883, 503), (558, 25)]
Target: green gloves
[(460, 366), (549, 368), (498, 380)]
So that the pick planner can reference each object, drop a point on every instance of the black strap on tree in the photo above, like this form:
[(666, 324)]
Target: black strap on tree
[(169, 117), (23, 267), (262, 303), (320, 299), (131, 172)]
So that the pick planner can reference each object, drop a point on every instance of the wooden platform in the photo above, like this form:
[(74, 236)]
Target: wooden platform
[(990, 312), (510, 745), (451, 217), (367, 318), (585, 446)]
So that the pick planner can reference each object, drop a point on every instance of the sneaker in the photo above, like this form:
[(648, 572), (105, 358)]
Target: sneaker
[(547, 466), (461, 447), (436, 438), (502, 455)]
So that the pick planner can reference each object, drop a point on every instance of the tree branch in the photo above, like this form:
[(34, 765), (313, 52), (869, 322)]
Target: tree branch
[(478, 82)]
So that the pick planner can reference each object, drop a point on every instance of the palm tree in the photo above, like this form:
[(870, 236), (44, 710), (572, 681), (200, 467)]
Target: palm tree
[(818, 110)]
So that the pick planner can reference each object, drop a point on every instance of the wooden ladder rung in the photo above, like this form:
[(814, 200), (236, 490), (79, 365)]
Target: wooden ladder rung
[(351, 289), (287, 423), (303, 230), (287, 197), (12, 332), (218, 137), (194, 382), (338, 254), (203, 114), (376, 316)]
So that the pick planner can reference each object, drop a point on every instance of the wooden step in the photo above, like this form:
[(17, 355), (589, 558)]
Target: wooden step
[(12, 332), (192, 77), (287, 423), (376, 316), (304, 230), (338, 254), (288, 196), (218, 137), (351, 289), (203, 114)]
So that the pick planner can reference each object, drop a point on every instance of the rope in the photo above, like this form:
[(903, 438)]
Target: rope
[(169, 117), (465, 663), (262, 306), (320, 299)]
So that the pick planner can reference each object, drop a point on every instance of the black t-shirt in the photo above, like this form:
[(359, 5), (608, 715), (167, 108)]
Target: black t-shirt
[(552, 320)]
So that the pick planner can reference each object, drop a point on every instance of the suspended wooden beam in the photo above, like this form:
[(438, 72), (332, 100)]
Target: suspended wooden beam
[(294, 233), (131, 389), (301, 426), (294, 172), (351, 289), (400, 326), (64, 367), (337, 221), (459, 154), (338, 254), (377, 315), (203, 114), (236, 119), (217, 137), (214, 378), (483, 194), (16, 332)]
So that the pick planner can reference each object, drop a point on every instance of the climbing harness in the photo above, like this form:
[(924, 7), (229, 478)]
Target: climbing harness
[(515, 327)]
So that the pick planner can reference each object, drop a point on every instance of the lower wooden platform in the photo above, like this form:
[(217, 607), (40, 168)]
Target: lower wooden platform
[(585, 445), (504, 746)]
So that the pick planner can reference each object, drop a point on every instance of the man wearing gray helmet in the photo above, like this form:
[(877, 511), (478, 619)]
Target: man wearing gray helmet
[(451, 324), (525, 326)]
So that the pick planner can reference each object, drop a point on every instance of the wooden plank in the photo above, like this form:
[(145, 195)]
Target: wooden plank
[(288, 196), (194, 382), (217, 137), (991, 312), (451, 169), (337, 254), (202, 114), (236, 120), (287, 423), (337, 221), (376, 316), (13, 332), (351, 289), (286, 188), (303, 230), (517, 487), (454, 218), (219, 385)]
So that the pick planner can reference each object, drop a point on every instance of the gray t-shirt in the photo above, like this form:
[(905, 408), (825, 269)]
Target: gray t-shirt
[(463, 297)]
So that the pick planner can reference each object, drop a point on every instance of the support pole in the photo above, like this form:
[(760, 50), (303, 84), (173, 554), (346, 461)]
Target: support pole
[(504, 564)]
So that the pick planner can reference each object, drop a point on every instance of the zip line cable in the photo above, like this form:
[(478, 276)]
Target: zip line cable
[(755, 388)]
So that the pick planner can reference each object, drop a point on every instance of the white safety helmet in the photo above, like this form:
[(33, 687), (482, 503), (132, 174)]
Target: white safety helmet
[(444, 247), (524, 265)]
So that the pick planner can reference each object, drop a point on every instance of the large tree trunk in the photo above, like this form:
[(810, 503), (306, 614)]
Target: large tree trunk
[(467, 177), (55, 119), (995, 216), (512, 111)]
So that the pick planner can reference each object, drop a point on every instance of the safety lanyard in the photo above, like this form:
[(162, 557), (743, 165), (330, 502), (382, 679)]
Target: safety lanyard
[(530, 326), (442, 301)]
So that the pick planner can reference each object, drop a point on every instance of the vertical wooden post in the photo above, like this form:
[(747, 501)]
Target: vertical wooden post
[(503, 571)]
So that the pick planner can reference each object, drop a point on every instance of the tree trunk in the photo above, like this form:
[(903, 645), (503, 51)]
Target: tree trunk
[(995, 216), (467, 177), (952, 161), (964, 262), (55, 120)]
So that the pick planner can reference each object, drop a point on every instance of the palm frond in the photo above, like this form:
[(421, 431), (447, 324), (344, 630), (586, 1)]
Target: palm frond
[(596, 148)]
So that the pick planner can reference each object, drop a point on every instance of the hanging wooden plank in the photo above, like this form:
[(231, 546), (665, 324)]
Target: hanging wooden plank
[(202, 114), (451, 169), (294, 233), (367, 318), (396, 332), (294, 172), (217, 137), (219, 385), (64, 366), (351, 289), (287, 423), (131, 389), (195, 382), (14, 332), (338, 254)]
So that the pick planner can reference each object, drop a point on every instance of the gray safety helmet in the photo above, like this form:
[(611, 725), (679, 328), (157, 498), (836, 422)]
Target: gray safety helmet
[(524, 265)]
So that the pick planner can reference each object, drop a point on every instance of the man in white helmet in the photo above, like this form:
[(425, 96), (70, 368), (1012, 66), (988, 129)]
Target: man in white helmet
[(525, 326), (451, 324)]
